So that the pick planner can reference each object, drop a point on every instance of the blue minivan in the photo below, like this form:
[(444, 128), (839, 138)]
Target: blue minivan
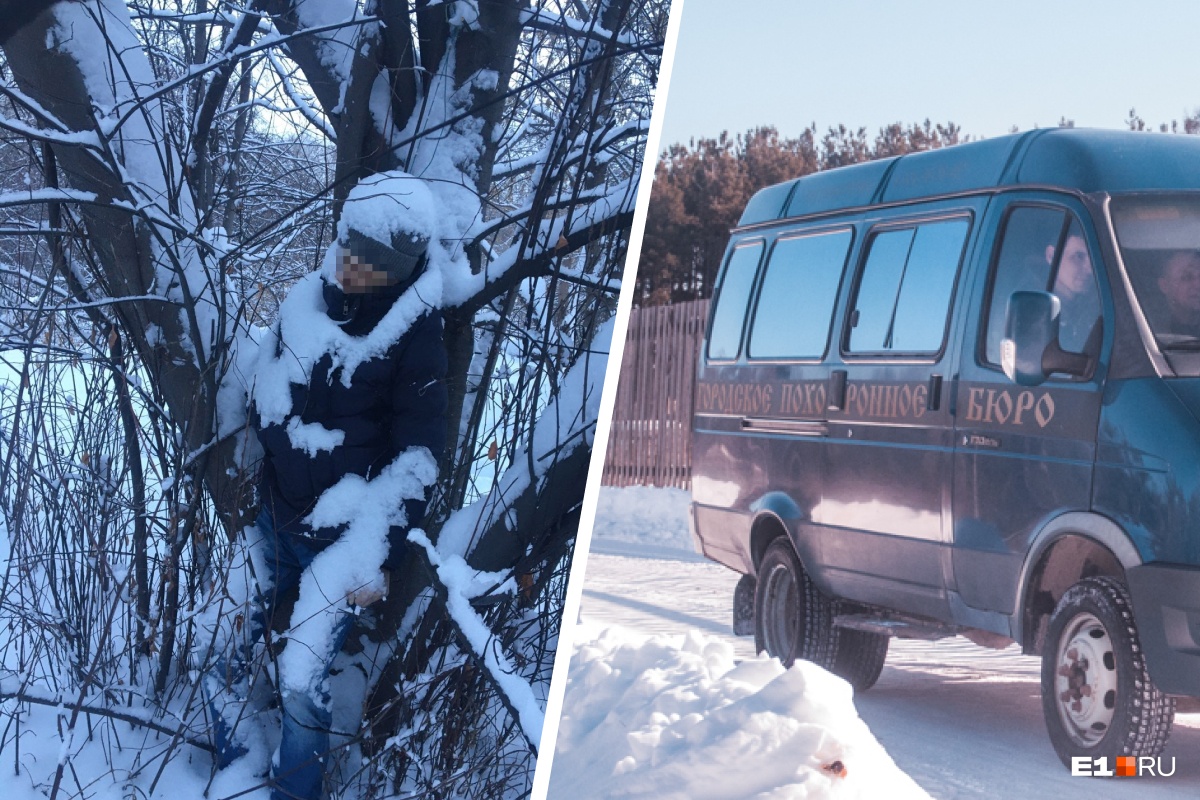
[(958, 392)]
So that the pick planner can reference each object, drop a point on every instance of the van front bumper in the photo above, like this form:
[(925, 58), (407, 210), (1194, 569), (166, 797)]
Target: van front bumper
[(1166, 605)]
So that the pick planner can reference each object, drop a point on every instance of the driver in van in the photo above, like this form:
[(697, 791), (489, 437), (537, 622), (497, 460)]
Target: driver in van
[(1179, 284), (1075, 288)]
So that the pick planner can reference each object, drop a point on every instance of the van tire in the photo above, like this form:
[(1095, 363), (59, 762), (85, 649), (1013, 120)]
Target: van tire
[(859, 657), (792, 617), (1097, 696), (743, 606)]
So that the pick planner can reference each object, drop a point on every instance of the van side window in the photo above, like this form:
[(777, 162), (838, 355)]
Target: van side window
[(795, 303), (903, 299), (1044, 250), (733, 297)]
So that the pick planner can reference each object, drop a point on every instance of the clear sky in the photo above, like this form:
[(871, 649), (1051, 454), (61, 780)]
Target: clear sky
[(986, 66)]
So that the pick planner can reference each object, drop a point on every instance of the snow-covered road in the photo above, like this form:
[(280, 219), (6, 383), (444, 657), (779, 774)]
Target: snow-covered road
[(965, 722)]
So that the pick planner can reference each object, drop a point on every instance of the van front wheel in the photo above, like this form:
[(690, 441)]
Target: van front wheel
[(792, 617), (1097, 697)]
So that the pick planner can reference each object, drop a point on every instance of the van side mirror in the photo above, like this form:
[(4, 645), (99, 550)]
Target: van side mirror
[(1030, 351)]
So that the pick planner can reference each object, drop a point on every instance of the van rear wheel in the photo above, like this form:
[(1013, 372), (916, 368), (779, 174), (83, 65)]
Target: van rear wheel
[(792, 617), (1097, 696), (859, 657), (743, 606)]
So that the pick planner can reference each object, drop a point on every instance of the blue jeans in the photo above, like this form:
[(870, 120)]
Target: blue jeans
[(304, 743)]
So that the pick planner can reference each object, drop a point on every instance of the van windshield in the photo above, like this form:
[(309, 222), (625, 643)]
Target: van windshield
[(1159, 237)]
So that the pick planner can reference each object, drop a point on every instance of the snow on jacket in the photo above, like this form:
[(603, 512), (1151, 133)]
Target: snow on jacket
[(393, 402)]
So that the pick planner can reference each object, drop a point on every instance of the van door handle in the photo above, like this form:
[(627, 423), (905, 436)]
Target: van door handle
[(837, 390), (934, 400), (794, 427)]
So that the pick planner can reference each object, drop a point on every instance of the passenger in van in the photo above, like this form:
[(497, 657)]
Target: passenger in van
[(1179, 284), (1026, 267), (1075, 288)]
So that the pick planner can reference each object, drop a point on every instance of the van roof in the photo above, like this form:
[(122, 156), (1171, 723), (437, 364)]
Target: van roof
[(1069, 158)]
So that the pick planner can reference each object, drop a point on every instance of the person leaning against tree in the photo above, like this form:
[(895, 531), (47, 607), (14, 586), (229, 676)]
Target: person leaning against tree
[(392, 403)]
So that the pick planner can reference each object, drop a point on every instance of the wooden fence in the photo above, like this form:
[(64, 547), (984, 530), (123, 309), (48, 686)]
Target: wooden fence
[(650, 442)]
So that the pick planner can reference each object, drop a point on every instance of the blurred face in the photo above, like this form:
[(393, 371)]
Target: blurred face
[(1075, 269), (1180, 284), (356, 275)]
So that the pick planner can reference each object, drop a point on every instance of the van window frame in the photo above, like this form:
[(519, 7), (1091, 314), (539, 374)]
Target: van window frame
[(765, 264), (1089, 235), (749, 241), (902, 223)]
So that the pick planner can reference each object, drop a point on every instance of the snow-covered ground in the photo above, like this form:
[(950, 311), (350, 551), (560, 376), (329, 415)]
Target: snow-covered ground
[(678, 717), (962, 721), (119, 761)]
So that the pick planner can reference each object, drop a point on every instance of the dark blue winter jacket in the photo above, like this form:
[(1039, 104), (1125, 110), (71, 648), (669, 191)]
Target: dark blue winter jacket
[(393, 402)]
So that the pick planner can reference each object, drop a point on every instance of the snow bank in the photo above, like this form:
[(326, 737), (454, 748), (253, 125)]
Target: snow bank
[(676, 717), (644, 515)]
